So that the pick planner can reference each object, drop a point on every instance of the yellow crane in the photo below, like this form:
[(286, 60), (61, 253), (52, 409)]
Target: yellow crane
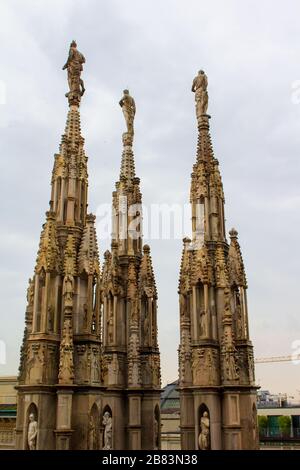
[(261, 360)]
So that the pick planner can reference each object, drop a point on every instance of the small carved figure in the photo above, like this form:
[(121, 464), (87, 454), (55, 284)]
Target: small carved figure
[(204, 443), (50, 318), (68, 289), (230, 366), (146, 330), (30, 292), (199, 87), (107, 423), (32, 432), (203, 331), (110, 328), (127, 104), (85, 316)]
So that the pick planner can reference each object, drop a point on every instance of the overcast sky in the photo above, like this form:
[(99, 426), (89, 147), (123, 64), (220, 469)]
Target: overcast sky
[(250, 51)]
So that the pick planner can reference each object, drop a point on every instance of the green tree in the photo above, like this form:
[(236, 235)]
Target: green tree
[(284, 423), (262, 425)]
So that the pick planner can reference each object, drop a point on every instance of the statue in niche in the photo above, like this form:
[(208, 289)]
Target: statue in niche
[(147, 373), (32, 432), (209, 366), (199, 87), (30, 292), (68, 290), (85, 316), (239, 321), (203, 329), (110, 328), (113, 370), (239, 316), (66, 366), (74, 68), (230, 366), (251, 367), (183, 309), (107, 423), (95, 367), (50, 318), (196, 368), (127, 104), (146, 331), (92, 434), (204, 441)]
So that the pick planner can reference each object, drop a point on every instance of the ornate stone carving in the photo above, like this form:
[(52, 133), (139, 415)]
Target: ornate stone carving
[(32, 432), (34, 370), (50, 315), (229, 366), (113, 370), (251, 366), (199, 87), (221, 268), (95, 366), (128, 107), (107, 423), (48, 258), (204, 436), (30, 292), (74, 67), (133, 360), (155, 369), (66, 366), (235, 260), (146, 326), (23, 357), (68, 290), (185, 355)]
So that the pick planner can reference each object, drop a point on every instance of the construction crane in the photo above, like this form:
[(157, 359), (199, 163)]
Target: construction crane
[(261, 360)]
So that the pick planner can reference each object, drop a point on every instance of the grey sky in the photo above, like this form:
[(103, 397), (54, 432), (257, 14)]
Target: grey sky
[(250, 51)]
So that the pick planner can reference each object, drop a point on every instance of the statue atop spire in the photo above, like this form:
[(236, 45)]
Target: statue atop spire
[(199, 87), (127, 104), (74, 67)]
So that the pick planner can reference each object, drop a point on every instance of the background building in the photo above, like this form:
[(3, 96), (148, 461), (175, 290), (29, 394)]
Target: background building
[(8, 412)]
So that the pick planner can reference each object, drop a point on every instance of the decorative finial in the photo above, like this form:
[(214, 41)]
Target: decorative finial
[(146, 249), (74, 67), (199, 87), (127, 104), (233, 233)]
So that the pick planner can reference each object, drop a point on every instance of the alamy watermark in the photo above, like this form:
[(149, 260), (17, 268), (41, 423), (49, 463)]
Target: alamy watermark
[(154, 222)]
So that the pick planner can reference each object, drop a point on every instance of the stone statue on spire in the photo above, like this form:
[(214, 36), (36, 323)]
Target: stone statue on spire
[(127, 104), (199, 87), (74, 68)]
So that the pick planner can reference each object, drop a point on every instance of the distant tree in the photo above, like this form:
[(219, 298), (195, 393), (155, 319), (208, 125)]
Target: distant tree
[(262, 425), (284, 423)]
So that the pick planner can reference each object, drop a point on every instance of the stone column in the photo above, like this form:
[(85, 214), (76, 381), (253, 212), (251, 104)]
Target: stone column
[(63, 430)]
